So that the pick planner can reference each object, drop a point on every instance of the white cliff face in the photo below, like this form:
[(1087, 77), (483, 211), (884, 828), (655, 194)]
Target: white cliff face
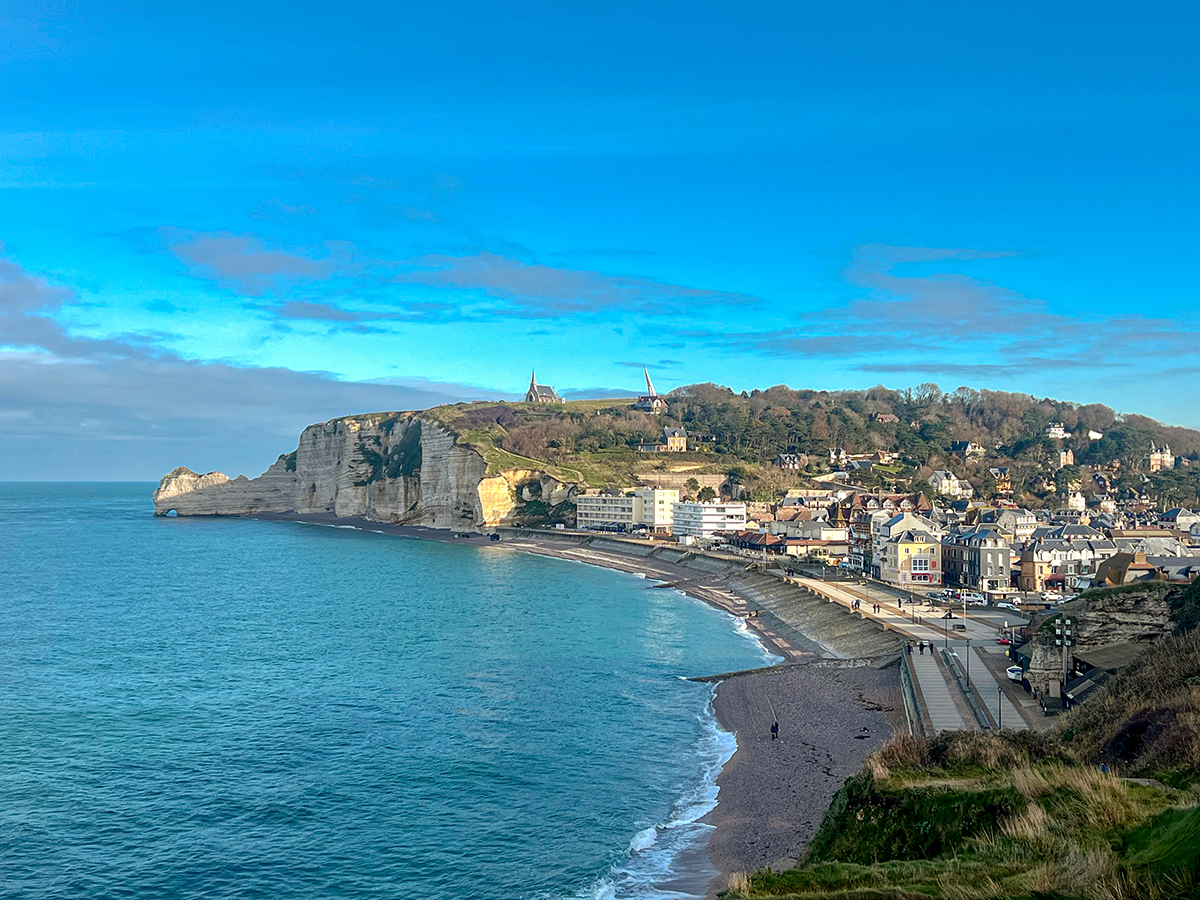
[(385, 467)]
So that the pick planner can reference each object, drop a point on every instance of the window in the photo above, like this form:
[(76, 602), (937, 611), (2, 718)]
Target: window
[(920, 564)]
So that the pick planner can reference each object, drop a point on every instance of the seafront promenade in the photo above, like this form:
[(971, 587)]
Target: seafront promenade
[(970, 644)]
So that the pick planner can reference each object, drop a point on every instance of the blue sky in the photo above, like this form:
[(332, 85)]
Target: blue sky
[(221, 224)]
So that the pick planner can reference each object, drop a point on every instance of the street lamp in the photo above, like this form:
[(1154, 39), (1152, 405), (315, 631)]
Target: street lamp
[(999, 707), (968, 664)]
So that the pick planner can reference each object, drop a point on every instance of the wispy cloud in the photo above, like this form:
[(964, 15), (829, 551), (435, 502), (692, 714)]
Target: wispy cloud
[(479, 286), (958, 324), (243, 263), (533, 289), (121, 408)]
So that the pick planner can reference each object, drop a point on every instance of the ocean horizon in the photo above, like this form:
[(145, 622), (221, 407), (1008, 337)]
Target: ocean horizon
[(229, 707)]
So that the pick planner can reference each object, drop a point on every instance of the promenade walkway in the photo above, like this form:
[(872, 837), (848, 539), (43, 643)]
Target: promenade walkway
[(986, 685), (943, 711), (934, 682)]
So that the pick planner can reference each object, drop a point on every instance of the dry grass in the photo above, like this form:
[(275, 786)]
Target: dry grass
[(737, 884), (1031, 825)]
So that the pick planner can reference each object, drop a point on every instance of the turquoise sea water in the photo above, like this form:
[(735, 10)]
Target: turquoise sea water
[(199, 708)]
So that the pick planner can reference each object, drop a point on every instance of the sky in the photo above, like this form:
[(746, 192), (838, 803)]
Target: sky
[(221, 223)]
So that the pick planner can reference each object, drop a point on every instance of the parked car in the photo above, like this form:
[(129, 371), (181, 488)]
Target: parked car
[(1007, 606), (1004, 642), (973, 597), (1014, 673)]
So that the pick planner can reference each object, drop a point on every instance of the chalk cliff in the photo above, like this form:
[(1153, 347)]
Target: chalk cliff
[(386, 467)]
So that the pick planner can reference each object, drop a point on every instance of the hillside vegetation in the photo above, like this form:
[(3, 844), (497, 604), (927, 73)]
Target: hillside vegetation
[(597, 438), (1026, 815)]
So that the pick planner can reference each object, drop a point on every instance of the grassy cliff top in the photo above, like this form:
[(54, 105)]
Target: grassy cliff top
[(592, 441), (980, 816)]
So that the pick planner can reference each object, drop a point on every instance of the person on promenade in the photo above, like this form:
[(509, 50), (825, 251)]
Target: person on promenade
[(922, 645), (774, 730)]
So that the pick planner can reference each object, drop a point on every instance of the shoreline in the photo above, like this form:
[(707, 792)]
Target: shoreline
[(771, 795)]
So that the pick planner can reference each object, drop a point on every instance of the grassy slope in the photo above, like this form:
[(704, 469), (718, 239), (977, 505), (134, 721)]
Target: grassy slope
[(1019, 814), (486, 441), (617, 465)]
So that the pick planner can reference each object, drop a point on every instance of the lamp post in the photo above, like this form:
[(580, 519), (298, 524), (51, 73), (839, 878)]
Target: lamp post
[(999, 707), (968, 664)]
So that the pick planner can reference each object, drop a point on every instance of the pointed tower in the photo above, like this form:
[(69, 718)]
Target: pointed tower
[(540, 393), (650, 401)]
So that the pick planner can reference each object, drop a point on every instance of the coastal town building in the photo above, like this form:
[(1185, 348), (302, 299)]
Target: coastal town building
[(1159, 458), (606, 512), (658, 508), (947, 483), (1055, 431), (675, 440), (1062, 458), (979, 559), (1066, 556), (1180, 518), (540, 393), (648, 508), (1003, 479), (789, 461), (705, 520), (883, 529), (1015, 524), (650, 402), (912, 559), (967, 449)]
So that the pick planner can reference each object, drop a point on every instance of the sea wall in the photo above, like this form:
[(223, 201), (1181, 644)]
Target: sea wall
[(385, 467)]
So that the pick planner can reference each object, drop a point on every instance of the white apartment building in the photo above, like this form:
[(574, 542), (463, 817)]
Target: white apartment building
[(602, 512), (703, 520), (651, 508), (658, 508)]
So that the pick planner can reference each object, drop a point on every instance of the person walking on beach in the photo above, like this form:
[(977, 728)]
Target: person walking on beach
[(774, 730)]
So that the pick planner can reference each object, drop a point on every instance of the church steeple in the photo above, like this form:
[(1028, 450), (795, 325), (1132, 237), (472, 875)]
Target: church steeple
[(540, 393)]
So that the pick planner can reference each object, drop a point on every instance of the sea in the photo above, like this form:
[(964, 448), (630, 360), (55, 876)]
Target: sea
[(211, 708)]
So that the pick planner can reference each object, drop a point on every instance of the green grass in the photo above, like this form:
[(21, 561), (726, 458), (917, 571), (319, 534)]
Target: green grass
[(975, 816)]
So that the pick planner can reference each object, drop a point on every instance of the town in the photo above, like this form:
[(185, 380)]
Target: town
[(1049, 512)]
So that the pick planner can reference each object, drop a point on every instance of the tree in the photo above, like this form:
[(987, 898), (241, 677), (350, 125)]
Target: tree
[(691, 488), (707, 494)]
